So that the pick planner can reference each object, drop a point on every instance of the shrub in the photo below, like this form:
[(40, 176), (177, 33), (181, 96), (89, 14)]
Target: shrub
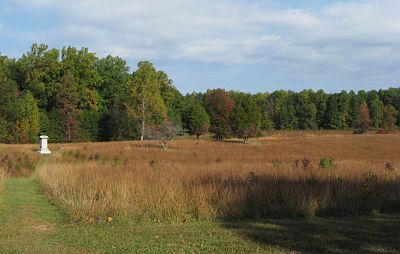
[(326, 162)]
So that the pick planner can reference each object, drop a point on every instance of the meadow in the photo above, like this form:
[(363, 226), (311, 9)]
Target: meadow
[(281, 179)]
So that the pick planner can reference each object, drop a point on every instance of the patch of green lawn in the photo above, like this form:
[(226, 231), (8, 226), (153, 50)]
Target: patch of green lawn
[(31, 224)]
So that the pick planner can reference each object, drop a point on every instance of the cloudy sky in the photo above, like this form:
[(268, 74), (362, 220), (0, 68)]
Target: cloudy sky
[(247, 45)]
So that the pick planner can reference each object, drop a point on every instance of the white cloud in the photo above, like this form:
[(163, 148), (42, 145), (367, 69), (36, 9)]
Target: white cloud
[(351, 38)]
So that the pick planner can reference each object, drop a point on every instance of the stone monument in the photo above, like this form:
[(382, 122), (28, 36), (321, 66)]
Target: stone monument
[(43, 145)]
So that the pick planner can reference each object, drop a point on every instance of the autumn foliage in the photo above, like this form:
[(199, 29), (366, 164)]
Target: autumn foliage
[(363, 121), (219, 106)]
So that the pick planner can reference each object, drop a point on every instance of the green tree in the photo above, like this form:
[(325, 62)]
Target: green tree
[(8, 97), (173, 99), (267, 122), (363, 121), (245, 117), (115, 123), (281, 107), (146, 96), (50, 125), (27, 119), (375, 106), (219, 106), (344, 108), (196, 118), (389, 118), (39, 71), (306, 111), (320, 99), (113, 75), (82, 65), (354, 106), (4, 68), (337, 113)]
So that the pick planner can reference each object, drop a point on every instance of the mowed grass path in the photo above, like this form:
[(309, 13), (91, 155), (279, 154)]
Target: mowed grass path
[(29, 223)]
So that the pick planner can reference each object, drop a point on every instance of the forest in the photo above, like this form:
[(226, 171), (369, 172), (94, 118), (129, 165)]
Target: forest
[(72, 95)]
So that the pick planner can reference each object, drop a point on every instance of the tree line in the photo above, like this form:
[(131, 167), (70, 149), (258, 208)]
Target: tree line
[(73, 95)]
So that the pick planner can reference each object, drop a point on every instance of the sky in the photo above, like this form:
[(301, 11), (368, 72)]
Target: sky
[(247, 45)]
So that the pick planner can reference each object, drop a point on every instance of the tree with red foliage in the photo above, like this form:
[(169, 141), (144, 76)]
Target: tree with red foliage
[(219, 106), (67, 103)]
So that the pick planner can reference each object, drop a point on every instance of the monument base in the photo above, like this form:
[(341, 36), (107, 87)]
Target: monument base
[(45, 152)]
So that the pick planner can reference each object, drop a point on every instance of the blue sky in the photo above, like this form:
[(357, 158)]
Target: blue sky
[(247, 45)]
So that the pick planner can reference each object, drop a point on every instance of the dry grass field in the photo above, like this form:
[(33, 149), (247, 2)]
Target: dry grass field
[(252, 196), (280, 175)]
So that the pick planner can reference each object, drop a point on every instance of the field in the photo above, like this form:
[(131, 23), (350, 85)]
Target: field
[(330, 192)]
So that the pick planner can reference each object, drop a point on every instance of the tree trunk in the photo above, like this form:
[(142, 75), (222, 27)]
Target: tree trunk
[(142, 131)]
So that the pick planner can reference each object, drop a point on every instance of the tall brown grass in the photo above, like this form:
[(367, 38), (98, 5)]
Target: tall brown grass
[(276, 176), (18, 160)]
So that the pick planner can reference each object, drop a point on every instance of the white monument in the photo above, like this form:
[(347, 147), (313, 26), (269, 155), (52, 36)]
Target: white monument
[(43, 145)]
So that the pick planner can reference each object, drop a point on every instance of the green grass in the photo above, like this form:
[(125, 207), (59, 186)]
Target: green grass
[(29, 223)]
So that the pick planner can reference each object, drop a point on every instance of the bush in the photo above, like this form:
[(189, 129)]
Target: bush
[(326, 162)]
